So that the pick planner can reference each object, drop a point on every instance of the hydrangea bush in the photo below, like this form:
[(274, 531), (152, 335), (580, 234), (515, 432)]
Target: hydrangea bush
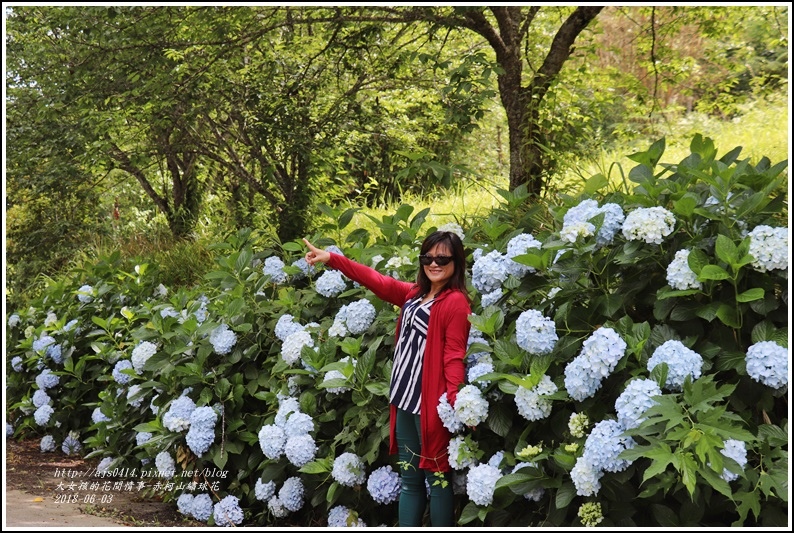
[(627, 365)]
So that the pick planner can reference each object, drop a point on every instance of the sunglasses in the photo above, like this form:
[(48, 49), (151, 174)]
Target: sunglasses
[(441, 260)]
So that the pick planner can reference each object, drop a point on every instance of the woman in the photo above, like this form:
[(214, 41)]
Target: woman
[(431, 340)]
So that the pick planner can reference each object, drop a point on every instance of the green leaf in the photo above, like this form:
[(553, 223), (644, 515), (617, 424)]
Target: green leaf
[(726, 250), (727, 315), (594, 183), (696, 260), (685, 206), (750, 295), (564, 496), (319, 466), (713, 272)]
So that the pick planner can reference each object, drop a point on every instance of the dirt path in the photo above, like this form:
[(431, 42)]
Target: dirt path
[(39, 493)]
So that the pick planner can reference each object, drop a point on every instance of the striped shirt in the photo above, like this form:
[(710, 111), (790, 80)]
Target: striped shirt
[(406, 375)]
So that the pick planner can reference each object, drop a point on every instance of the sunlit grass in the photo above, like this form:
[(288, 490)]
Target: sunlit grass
[(761, 131)]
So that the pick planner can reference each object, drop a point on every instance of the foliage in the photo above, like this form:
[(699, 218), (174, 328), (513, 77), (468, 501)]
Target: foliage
[(223, 345)]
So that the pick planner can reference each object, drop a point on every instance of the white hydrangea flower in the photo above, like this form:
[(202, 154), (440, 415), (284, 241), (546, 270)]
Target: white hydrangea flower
[(679, 275), (533, 403), (470, 406), (769, 247), (649, 224), (293, 344), (452, 227), (535, 333)]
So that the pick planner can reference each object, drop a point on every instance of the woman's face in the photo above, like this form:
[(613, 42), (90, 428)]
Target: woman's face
[(439, 275)]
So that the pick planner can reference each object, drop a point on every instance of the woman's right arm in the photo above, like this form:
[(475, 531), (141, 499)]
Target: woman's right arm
[(384, 287)]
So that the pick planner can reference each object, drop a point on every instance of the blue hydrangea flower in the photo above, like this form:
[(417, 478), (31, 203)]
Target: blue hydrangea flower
[(286, 326), (470, 406), (520, 245), (277, 508), (286, 407), (272, 440), (85, 294), (478, 369), (635, 400), (769, 247), (13, 320), (120, 377), (47, 443), (274, 267), (135, 396), (604, 444), (98, 416), (291, 494), (47, 380), (16, 363), (169, 312), (481, 482), (341, 516), (70, 325), (184, 504), (264, 491), (227, 512), (649, 224), (384, 485), (300, 449), (679, 275), (330, 283), (496, 458), (491, 298), (533, 404), (177, 418), (293, 344), (736, 450), (40, 397), (298, 424), (54, 352), (142, 437), (104, 464), (447, 415), (532, 495), (306, 270), (141, 354), (489, 271), (359, 316), (600, 354), (166, 467), (41, 344), (586, 477), (535, 333), (613, 221), (348, 470), (223, 339), (577, 221), (681, 362), (767, 363), (201, 508), (201, 434), (71, 445)]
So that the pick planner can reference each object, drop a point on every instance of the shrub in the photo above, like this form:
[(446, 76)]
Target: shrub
[(642, 394)]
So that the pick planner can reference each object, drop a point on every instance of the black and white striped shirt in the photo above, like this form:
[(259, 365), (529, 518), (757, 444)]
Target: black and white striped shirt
[(406, 374)]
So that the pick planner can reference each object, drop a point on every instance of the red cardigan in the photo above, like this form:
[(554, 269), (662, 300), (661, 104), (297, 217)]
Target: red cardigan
[(443, 369)]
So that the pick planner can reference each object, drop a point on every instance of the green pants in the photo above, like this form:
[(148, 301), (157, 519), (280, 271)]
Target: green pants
[(413, 492)]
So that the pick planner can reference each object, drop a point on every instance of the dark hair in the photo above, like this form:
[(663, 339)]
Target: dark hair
[(455, 247)]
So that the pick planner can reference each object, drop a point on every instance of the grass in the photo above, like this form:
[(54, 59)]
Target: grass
[(762, 130)]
